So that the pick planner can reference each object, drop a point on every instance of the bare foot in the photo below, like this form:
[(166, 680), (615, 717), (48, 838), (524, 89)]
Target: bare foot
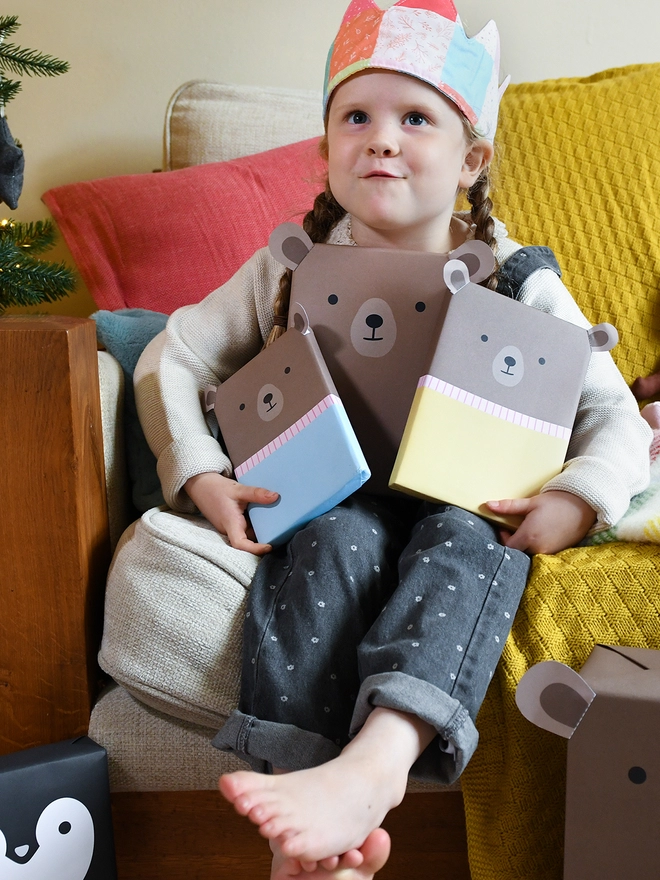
[(317, 813), (371, 857)]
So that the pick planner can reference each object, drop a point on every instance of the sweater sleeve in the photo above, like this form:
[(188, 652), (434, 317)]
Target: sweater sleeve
[(201, 345), (608, 454)]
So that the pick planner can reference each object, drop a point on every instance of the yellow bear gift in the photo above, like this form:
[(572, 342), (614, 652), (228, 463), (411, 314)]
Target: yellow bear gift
[(492, 415)]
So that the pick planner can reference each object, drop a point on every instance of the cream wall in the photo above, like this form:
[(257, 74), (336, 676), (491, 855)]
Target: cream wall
[(105, 116)]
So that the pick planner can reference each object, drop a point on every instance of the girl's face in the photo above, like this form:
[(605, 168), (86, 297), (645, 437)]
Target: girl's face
[(397, 157)]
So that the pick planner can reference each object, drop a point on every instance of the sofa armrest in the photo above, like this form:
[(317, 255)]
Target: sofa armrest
[(111, 384), (54, 538)]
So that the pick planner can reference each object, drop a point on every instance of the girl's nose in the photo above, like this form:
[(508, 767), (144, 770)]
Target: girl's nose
[(382, 143)]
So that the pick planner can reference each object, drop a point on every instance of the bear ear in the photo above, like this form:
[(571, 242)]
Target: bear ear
[(554, 696), (478, 258), (298, 318), (456, 275), (210, 392), (289, 244), (603, 337)]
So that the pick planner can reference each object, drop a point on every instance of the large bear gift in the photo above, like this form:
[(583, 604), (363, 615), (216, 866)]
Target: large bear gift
[(374, 312)]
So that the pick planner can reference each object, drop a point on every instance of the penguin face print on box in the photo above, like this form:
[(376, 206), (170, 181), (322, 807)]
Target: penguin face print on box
[(55, 821), (286, 430), (610, 714), (374, 312), (63, 846)]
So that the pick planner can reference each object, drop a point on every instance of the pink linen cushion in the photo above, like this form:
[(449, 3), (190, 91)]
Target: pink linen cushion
[(160, 241)]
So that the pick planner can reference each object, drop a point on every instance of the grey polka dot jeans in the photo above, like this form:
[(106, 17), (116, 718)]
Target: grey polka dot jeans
[(376, 603)]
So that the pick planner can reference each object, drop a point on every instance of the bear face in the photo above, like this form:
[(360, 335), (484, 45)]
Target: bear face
[(271, 393), (610, 712), (513, 355)]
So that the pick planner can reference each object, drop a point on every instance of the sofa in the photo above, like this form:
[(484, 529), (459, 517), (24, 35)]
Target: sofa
[(573, 173)]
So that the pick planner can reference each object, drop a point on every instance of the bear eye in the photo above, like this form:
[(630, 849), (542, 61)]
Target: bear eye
[(541, 361), (333, 299), (287, 370), (484, 338), (637, 775), (420, 307), (64, 828), (242, 407)]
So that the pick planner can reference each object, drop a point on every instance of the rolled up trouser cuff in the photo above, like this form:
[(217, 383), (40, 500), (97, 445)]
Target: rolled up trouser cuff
[(267, 744), (445, 758)]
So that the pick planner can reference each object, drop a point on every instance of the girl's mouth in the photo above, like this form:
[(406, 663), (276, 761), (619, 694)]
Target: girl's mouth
[(381, 174)]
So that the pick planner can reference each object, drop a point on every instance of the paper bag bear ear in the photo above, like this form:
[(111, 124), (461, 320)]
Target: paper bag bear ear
[(300, 318), (553, 696), (603, 337), (476, 257), (289, 244)]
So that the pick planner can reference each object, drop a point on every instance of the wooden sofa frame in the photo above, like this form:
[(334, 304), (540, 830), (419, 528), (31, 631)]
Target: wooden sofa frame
[(54, 555)]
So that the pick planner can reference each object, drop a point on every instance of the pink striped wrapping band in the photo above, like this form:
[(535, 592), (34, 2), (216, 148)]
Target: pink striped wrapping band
[(285, 436), (493, 409)]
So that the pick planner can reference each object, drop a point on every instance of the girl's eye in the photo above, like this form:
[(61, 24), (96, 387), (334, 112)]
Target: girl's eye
[(357, 117), (415, 119)]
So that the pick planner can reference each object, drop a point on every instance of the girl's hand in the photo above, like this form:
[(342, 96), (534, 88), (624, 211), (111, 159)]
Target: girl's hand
[(223, 501), (552, 521)]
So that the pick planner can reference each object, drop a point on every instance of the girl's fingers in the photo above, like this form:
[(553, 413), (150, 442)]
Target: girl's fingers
[(516, 506), (255, 494), (237, 533)]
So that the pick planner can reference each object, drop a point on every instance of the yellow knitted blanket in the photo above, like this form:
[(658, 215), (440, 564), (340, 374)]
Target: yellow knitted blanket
[(514, 786), (576, 174)]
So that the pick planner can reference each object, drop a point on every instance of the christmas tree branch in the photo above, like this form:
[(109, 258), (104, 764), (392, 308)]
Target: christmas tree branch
[(38, 236), (30, 61), (9, 88), (24, 279), (8, 25)]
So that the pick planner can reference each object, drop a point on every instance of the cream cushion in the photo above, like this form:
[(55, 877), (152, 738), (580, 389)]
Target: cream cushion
[(151, 751), (174, 607), (213, 122)]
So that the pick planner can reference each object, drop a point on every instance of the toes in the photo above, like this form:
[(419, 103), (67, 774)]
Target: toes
[(329, 864), (293, 846), (351, 859), (260, 814), (277, 828), (376, 850), (240, 784)]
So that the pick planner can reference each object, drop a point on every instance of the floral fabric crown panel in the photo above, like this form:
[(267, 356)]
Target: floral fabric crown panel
[(426, 39)]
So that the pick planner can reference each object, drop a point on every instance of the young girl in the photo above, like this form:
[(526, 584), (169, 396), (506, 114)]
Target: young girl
[(370, 639)]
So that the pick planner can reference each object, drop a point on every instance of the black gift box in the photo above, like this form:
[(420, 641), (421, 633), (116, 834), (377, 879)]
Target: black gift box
[(55, 819)]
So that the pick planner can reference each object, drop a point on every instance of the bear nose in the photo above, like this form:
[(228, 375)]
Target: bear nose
[(374, 321), (509, 361), (269, 397)]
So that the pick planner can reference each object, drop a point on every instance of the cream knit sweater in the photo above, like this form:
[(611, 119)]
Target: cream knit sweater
[(608, 456)]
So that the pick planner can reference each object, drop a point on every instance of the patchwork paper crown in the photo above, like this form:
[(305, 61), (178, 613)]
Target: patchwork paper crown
[(426, 39)]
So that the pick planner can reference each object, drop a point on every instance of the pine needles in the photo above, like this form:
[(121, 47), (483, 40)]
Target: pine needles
[(25, 280)]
